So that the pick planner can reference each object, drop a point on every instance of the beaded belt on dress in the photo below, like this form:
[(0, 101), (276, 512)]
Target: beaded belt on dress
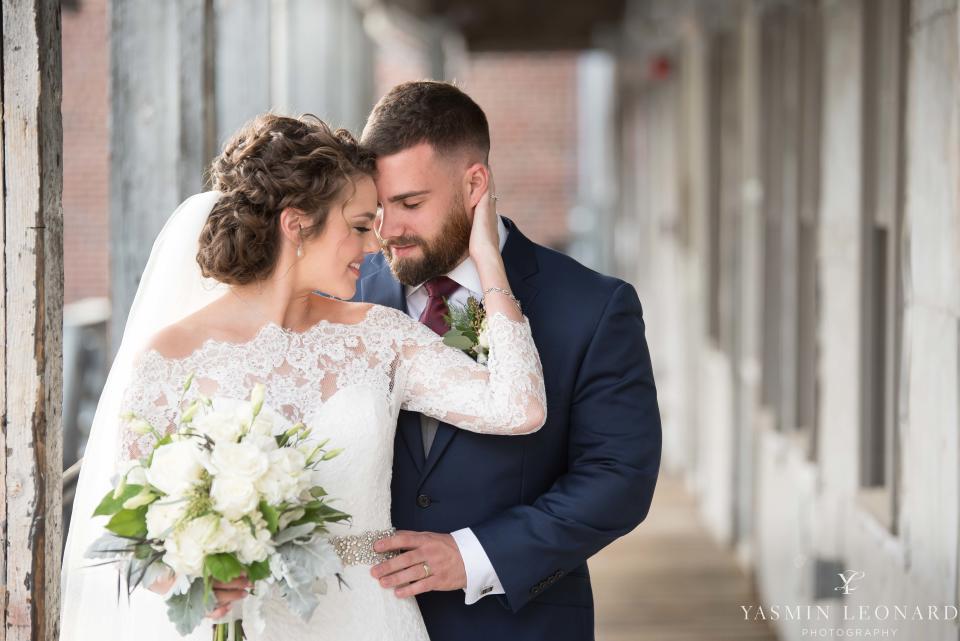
[(357, 549)]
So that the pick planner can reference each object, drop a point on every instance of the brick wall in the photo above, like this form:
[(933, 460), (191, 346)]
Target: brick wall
[(530, 102), (85, 150)]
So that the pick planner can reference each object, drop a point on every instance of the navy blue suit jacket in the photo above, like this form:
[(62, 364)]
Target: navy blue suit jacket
[(540, 504)]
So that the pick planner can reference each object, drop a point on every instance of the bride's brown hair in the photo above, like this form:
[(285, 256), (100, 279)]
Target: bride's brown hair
[(271, 163)]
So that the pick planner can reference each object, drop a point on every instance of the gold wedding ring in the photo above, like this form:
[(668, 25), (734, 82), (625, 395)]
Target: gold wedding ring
[(426, 570)]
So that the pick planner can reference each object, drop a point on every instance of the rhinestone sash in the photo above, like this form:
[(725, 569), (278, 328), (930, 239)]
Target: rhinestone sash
[(357, 549)]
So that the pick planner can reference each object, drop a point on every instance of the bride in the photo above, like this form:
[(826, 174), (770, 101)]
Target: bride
[(229, 295)]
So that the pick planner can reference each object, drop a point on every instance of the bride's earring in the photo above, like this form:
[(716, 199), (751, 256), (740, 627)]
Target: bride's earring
[(300, 246)]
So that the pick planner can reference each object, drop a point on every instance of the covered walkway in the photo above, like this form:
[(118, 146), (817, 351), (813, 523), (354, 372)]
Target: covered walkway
[(670, 581)]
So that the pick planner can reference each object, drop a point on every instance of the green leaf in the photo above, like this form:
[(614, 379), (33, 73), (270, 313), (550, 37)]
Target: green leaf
[(222, 567), (316, 491), (186, 611), (110, 506), (258, 570), (109, 546), (270, 515), (317, 512), (131, 524), (457, 340)]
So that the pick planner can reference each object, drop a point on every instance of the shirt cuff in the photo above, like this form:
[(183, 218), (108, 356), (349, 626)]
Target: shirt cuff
[(482, 579)]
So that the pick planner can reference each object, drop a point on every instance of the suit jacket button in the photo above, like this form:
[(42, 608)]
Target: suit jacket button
[(424, 501)]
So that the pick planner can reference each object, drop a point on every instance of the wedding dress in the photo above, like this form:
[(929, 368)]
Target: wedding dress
[(347, 382)]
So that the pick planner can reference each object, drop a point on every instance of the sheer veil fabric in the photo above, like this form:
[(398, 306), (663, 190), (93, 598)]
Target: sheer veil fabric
[(170, 289)]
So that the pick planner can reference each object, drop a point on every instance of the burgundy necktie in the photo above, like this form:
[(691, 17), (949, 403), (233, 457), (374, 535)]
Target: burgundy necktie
[(438, 289)]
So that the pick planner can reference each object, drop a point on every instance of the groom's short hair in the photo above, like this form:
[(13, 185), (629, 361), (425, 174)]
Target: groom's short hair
[(438, 113)]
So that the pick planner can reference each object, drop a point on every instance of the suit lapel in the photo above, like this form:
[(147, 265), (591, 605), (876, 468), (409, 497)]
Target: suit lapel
[(521, 264), (380, 287)]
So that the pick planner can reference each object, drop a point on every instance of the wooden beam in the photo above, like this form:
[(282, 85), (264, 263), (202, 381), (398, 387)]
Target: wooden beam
[(31, 274), (162, 133)]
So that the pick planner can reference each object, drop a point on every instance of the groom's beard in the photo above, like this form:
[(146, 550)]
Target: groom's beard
[(440, 256)]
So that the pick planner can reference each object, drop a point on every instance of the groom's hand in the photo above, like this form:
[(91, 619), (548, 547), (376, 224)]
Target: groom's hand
[(406, 573)]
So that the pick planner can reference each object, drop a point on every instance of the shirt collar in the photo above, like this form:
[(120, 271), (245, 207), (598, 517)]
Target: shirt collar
[(465, 274)]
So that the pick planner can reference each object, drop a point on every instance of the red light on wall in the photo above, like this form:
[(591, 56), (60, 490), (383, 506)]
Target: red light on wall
[(660, 68)]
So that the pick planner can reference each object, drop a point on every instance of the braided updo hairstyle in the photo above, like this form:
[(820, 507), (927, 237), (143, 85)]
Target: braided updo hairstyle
[(271, 163)]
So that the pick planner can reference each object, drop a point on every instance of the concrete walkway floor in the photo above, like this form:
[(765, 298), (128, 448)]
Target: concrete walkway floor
[(669, 581)]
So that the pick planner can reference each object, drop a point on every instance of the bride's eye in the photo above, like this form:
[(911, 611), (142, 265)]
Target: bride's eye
[(362, 230)]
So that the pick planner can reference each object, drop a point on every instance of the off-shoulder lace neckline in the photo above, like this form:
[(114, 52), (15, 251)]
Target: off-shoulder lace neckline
[(271, 327)]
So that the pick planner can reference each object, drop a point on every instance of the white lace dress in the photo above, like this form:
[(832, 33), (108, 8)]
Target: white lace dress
[(348, 382)]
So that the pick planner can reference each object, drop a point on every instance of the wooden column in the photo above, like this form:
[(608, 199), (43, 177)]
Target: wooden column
[(162, 129), (32, 279)]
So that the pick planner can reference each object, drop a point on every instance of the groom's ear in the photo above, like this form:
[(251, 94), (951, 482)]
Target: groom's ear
[(476, 179)]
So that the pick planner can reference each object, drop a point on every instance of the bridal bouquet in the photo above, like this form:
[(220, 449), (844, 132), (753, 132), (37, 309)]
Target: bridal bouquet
[(222, 497)]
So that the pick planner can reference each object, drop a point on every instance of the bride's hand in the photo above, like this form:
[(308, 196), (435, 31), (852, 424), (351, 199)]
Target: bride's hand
[(227, 594), (484, 238)]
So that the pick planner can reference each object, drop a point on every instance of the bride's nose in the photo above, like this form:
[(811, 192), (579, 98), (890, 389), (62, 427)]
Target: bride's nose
[(371, 244)]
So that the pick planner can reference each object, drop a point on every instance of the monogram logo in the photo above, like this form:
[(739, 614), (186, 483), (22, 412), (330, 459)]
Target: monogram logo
[(847, 588)]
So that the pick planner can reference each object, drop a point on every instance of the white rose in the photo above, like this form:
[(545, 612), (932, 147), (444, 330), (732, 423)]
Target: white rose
[(283, 478), (176, 467), (226, 537), (243, 460), (222, 427), (261, 442), (263, 424), (162, 515), (254, 547), (233, 496), (187, 547)]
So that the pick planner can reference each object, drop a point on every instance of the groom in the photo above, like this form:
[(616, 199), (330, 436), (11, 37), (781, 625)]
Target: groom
[(504, 523)]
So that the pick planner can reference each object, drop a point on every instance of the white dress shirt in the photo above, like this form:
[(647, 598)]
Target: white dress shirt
[(481, 577)]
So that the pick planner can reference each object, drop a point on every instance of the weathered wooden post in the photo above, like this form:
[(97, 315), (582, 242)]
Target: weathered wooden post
[(161, 128), (31, 275)]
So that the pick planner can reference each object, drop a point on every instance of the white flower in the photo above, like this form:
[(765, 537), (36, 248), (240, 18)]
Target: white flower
[(226, 537), (284, 476), (243, 460), (267, 423), (263, 443), (144, 497), (222, 427), (253, 546), (176, 467), (162, 515), (233, 496), (134, 473), (483, 340), (186, 548)]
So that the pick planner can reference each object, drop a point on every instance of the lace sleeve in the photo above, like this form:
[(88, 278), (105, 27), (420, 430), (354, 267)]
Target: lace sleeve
[(150, 396), (506, 396)]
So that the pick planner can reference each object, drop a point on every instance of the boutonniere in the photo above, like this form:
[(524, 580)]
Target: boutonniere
[(468, 329)]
